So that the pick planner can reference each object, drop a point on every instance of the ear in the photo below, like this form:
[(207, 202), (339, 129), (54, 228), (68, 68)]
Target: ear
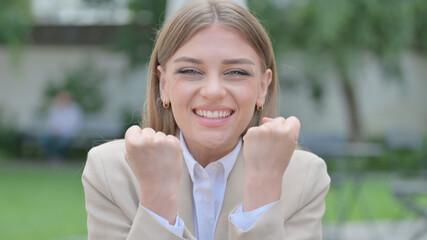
[(162, 84), (265, 82)]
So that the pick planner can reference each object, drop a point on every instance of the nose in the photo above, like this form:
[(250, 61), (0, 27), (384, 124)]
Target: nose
[(213, 88)]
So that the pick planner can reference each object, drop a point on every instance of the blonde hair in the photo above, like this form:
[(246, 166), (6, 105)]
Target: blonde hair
[(180, 28)]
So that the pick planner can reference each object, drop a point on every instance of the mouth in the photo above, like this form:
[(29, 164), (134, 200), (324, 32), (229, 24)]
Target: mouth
[(213, 114)]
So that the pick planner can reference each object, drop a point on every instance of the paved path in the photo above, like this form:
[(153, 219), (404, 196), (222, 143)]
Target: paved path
[(382, 230)]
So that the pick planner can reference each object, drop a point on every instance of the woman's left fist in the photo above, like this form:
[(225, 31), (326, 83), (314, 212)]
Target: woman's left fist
[(268, 150)]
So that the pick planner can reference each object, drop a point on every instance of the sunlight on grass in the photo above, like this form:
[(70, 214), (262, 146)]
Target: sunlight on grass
[(41, 203), (374, 200)]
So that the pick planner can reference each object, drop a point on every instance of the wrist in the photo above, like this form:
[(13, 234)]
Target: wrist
[(163, 203), (259, 192)]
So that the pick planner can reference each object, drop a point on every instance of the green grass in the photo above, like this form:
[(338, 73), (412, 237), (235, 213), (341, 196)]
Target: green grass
[(41, 203), (46, 203), (375, 201)]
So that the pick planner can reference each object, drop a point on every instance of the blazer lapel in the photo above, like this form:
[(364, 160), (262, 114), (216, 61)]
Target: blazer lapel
[(185, 205), (233, 196)]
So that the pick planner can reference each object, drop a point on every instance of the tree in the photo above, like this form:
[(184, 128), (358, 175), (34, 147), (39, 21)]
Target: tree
[(15, 25), (340, 32), (136, 38)]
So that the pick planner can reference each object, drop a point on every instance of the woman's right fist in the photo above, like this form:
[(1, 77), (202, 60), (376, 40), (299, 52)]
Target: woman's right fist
[(156, 161)]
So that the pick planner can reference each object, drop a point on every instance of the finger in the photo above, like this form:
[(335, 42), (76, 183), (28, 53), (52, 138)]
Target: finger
[(158, 138), (248, 133), (275, 123), (132, 132), (173, 138), (294, 125), (148, 131), (266, 120), (160, 134), (175, 141), (293, 121)]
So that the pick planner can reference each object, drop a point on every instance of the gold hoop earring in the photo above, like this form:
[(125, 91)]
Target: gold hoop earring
[(260, 108), (166, 105)]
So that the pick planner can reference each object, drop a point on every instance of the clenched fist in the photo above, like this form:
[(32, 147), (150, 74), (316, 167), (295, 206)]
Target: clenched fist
[(156, 161), (267, 150)]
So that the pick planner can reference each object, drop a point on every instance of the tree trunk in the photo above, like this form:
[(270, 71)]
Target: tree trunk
[(353, 116)]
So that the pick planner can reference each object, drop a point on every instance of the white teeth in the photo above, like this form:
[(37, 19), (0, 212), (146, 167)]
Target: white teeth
[(214, 114)]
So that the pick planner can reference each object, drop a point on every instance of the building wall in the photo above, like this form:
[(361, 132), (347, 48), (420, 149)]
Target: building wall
[(22, 86)]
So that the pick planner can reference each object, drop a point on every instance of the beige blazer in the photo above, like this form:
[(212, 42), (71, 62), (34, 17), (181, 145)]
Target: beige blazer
[(114, 212)]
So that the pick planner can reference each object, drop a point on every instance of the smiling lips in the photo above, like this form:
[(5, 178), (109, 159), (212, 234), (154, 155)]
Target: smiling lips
[(213, 114)]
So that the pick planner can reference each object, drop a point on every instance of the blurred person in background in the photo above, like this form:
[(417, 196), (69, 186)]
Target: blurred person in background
[(211, 161), (63, 122)]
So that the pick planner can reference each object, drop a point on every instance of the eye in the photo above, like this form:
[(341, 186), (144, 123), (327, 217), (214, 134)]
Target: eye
[(237, 72), (189, 74), (188, 71)]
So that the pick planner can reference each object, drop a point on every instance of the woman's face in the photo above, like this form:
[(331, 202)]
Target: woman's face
[(213, 82)]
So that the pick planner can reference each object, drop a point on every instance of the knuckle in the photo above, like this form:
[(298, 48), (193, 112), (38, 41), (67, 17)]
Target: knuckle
[(294, 121), (251, 132), (131, 131), (281, 119), (172, 139), (160, 134), (147, 131), (131, 141), (174, 142)]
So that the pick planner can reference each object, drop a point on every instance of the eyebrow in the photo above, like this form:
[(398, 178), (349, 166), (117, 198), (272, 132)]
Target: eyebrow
[(188, 59), (238, 61), (226, 61)]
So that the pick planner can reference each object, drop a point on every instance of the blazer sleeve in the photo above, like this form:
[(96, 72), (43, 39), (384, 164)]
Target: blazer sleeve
[(306, 221), (105, 218)]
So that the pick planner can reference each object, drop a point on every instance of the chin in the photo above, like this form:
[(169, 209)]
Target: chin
[(219, 141)]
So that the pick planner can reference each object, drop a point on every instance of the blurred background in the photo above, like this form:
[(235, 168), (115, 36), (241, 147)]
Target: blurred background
[(353, 71)]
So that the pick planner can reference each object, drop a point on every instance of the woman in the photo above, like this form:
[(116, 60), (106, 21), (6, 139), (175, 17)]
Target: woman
[(210, 161)]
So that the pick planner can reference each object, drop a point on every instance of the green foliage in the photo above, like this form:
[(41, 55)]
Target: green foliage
[(15, 26), (410, 162), (335, 34), (344, 29), (404, 161), (84, 85), (420, 41), (15, 21), (136, 39), (9, 137)]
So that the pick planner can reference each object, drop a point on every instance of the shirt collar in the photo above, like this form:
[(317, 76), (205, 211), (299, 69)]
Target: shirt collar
[(227, 161)]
